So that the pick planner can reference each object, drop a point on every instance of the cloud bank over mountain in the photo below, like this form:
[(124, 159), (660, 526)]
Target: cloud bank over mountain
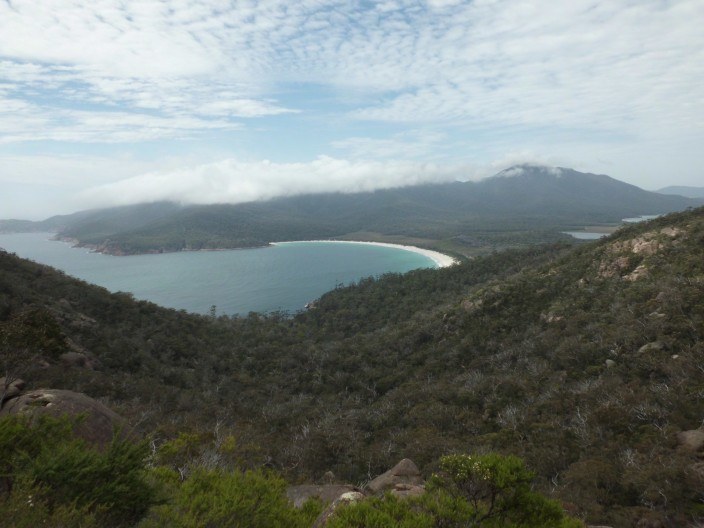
[(232, 181)]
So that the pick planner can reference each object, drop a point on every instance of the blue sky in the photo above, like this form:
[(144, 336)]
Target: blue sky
[(111, 101)]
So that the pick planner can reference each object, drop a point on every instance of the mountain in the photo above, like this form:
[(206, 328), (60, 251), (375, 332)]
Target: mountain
[(682, 190), (522, 204), (96, 222), (583, 360)]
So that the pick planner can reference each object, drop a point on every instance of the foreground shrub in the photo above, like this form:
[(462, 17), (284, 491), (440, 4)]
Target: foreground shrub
[(43, 464), (251, 499), (488, 491), (27, 507)]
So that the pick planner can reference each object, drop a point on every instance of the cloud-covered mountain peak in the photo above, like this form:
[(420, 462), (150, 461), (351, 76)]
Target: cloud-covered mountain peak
[(530, 169)]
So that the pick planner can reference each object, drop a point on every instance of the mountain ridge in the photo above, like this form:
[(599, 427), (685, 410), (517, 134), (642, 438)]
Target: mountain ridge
[(498, 211), (683, 190)]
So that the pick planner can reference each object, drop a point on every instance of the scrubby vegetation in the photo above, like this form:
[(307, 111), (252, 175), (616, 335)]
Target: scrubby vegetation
[(475, 491), (585, 362), (49, 477)]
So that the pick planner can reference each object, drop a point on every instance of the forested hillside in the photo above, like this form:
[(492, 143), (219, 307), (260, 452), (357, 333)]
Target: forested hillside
[(586, 362)]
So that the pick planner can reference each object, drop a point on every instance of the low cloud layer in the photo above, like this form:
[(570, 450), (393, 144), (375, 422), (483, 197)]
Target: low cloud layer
[(233, 181)]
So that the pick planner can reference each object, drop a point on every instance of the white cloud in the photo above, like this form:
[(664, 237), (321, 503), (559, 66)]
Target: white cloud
[(447, 81), (39, 123), (37, 186), (409, 145), (608, 65), (520, 170), (233, 181)]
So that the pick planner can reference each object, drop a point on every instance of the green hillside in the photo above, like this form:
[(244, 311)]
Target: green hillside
[(585, 362)]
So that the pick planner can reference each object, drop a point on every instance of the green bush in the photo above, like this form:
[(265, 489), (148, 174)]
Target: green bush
[(251, 499), (63, 472), (488, 491), (27, 507), (387, 512)]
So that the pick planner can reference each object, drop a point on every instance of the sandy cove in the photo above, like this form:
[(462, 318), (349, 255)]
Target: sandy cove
[(442, 260)]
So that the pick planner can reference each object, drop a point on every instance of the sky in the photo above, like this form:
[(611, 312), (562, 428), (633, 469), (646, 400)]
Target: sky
[(110, 102)]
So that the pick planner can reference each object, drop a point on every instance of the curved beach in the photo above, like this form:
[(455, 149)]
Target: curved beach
[(440, 259)]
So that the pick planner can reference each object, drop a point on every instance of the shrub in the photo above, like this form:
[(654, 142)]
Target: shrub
[(64, 473), (487, 491), (251, 499)]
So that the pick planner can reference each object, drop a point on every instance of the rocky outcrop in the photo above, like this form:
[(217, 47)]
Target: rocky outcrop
[(692, 440), (98, 422), (613, 267), (616, 259), (343, 500), (10, 389), (79, 360), (403, 481), (639, 273), (327, 493), (407, 491), (405, 472), (655, 346)]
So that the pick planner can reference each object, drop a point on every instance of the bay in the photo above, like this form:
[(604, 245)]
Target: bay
[(280, 277)]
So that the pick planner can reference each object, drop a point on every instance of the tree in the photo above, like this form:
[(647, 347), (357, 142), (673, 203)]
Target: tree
[(497, 490), (252, 499), (23, 337), (43, 462)]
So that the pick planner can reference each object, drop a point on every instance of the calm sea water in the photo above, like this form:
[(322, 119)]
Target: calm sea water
[(283, 277)]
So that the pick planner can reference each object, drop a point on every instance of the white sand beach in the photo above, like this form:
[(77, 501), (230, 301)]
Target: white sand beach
[(440, 259)]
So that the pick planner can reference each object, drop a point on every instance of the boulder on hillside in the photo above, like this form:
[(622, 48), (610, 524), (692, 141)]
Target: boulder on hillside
[(692, 440), (405, 472), (78, 360), (97, 426), (327, 493), (11, 389), (407, 491), (655, 346), (350, 497)]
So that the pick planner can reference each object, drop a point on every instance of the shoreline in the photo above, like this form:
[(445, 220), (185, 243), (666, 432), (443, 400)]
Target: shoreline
[(441, 259)]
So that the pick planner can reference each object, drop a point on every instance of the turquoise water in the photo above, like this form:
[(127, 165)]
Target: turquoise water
[(284, 277)]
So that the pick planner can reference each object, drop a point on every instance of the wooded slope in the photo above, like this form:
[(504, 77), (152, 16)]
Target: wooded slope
[(586, 362)]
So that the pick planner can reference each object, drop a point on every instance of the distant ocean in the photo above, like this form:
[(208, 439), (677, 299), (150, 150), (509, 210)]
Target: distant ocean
[(282, 277)]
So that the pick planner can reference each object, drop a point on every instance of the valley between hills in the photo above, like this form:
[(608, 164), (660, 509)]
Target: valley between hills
[(583, 360)]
